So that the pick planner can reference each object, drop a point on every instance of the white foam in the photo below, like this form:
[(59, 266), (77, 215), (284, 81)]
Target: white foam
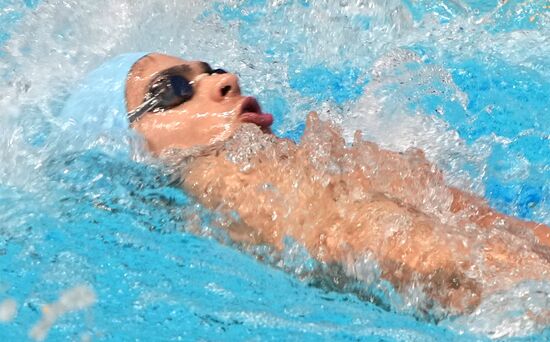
[(56, 44), (8, 310), (73, 299)]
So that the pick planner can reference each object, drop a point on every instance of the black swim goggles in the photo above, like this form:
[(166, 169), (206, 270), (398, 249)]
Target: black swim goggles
[(169, 89)]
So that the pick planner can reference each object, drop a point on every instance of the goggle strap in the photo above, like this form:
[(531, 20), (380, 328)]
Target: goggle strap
[(143, 108)]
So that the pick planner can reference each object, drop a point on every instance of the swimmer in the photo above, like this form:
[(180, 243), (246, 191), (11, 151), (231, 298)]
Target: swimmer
[(344, 204)]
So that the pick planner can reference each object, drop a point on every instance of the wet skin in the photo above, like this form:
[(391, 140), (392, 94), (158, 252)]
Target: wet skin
[(215, 111), (434, 248)]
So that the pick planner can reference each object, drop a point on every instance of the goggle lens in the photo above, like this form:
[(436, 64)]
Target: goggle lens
[(168, 91)]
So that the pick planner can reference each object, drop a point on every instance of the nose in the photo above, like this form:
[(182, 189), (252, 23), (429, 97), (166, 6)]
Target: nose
[(224, 86)]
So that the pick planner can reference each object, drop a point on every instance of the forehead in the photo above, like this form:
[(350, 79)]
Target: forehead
[(145, 69)]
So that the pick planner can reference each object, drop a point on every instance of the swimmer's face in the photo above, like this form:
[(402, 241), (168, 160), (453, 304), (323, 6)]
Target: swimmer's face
[(213, 108)]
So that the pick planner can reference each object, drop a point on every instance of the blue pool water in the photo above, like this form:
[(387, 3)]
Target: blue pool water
[(467, 81)]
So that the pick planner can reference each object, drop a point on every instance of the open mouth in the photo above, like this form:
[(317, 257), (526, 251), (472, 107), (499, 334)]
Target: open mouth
[(251, 112)]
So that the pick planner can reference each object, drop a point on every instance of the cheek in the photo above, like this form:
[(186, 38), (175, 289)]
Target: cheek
[(182, 129), (209, 119), (212, 128)]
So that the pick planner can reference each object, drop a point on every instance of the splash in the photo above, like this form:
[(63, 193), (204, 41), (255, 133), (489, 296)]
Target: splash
[(381, 218), (464, 81), (74, 299), (8, 310)]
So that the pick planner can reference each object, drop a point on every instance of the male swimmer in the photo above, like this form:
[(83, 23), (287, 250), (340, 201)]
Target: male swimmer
[(344, 204)]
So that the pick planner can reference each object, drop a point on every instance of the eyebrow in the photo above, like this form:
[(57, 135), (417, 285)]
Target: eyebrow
[(206, 68), (182, 69)]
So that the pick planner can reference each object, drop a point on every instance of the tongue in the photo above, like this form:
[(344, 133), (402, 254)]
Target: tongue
[(260, 119)]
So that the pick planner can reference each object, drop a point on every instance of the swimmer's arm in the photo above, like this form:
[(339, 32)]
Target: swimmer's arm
[(320, 223), (480, 213), (418, 183), (334, 227)]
